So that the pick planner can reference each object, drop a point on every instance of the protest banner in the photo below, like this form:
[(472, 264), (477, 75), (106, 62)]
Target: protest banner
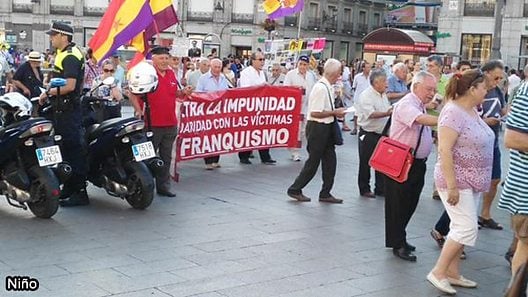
[(236, 120)]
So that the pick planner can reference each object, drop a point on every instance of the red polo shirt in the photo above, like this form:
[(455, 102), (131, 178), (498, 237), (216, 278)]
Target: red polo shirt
[(163, 101)]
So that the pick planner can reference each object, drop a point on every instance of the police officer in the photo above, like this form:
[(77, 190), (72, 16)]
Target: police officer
[(69, 64)]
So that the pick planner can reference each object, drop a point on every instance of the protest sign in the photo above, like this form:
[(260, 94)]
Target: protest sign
[(237, 120)]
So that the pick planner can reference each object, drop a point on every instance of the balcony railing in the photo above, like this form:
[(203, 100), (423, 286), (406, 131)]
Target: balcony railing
[(362, 29), (290, 21), (22, 7), (330, 25), (348, 27), (245, 18), (61, 9), (94, 11), (314, 24), (479, 9), (199, 16)]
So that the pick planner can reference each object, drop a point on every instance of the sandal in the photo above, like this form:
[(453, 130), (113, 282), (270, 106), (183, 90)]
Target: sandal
[(489, 223), (440, 240)]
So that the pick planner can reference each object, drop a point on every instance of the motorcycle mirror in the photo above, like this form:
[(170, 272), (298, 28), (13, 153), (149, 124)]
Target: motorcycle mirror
[(57, 82), (109, 81)]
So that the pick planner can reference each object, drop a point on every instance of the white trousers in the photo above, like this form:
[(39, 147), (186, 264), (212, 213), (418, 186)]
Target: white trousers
[(463, 215)]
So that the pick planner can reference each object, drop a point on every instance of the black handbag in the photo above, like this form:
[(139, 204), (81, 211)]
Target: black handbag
[(338, 135)]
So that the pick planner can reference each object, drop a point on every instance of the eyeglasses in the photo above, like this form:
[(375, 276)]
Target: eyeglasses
[(109, 70), (261, 59)]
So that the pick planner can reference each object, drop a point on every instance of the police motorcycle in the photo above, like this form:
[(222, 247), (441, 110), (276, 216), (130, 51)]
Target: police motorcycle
[(31, 167), (121, 156)]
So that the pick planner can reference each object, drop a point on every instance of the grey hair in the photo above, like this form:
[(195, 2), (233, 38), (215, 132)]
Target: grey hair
[(375, 74), (332, 66), (216, 60), (399, 66), (420, 78), (276, 65), (202, 61)]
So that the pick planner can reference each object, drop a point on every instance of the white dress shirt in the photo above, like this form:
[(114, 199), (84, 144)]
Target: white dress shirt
[(307, 81), (360, 84), (318, 101), (371, 101), (251, 77)]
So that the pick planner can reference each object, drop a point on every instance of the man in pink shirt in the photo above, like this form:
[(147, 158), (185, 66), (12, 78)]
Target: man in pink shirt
[(409, 118)]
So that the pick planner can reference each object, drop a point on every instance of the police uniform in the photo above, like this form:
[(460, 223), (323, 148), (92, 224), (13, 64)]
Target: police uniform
[(69, 63)]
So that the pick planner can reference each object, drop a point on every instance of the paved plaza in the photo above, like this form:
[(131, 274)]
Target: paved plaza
[(233, 232)]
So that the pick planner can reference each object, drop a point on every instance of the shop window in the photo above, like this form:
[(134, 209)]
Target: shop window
[(328, 51), (343, 50), (476, 47)]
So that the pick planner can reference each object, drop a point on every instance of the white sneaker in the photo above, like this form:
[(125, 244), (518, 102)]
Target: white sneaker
[(442, 285), (462, 282), (296, 158)]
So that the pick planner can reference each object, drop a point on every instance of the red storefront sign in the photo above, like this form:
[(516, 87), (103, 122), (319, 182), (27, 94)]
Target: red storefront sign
[(416, 48), (239, 120)]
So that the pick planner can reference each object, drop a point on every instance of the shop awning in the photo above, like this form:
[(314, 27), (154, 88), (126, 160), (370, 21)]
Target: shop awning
[(398, 41)]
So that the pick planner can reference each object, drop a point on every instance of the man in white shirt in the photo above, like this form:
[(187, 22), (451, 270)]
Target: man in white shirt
[(513, 81), (301, 77), (320, 133), (253, 76), (276, 78), (373, 109), (203, 68), (360, 83)]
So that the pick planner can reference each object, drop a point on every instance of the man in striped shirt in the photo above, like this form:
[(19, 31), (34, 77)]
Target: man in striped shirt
[(514, 194)]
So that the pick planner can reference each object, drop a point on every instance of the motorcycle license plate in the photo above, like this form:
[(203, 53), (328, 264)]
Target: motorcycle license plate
[(49, 155), (143, 151)]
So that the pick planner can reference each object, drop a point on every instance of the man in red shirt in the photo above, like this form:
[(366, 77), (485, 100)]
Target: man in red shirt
[(164, 123)]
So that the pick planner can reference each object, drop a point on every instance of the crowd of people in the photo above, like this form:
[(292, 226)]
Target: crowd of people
[(458, 109)]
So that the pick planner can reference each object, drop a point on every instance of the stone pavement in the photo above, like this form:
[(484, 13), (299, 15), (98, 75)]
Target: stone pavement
[(234, 232)]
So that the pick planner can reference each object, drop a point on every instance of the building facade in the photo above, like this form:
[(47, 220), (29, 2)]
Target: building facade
[(467, 27), (237, 26), (230, 26), (23, 22)]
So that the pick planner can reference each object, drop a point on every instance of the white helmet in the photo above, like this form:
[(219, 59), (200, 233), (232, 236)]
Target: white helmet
[(16, 104), (142, 78)]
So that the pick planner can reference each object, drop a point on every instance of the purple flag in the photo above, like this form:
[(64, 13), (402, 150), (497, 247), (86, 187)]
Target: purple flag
[(286, 11)]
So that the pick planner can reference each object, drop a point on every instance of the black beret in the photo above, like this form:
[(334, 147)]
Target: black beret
[(160, 50), (62, 28)]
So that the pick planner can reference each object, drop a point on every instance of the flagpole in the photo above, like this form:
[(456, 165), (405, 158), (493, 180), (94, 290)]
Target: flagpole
[(299, 28)]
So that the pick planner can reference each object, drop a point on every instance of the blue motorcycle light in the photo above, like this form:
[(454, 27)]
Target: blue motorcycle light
[(57, 82)]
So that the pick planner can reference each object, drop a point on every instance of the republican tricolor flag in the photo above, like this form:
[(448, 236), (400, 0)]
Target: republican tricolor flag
[(280, 8), (164, 16), (131, 22)]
